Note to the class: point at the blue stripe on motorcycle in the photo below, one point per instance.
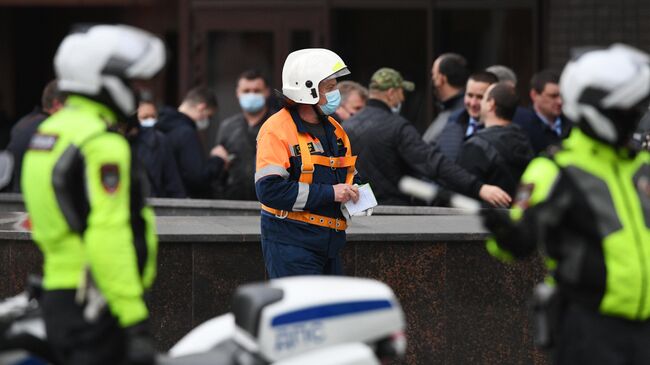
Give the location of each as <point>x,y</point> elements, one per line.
<point>31,361</point>
<point>328,311</point>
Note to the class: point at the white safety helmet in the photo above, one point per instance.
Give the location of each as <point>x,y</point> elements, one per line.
<point>304,69</point>
<point>99,60</point>
<point>606,92</point>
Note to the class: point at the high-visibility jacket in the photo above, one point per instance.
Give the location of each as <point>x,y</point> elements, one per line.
<point>296,190</point>
<point>87,209</point>
<point>588,207</point>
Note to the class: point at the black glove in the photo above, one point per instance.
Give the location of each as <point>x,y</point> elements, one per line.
<point>511,236</point>
<point>497,221</point>
<point>139,345</point>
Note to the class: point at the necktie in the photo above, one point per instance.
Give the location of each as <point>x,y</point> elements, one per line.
<point>557,127</point>
<point>472,127</point>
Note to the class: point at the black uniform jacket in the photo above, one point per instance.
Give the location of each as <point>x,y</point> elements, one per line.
<point>389,147</point>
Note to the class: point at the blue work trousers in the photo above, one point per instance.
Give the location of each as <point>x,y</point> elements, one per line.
<point>288,260</point>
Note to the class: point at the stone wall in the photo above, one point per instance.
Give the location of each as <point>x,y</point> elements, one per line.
<point>462,306</point>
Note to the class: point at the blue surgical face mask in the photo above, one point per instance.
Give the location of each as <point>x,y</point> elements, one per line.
<point>252,102</point>
<point>333,101</point>
<point>148,122</point>
<point>397,108</point>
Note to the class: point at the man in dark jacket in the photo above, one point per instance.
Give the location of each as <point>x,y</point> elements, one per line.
<point>499,153</point>
<point>507,75</point>
<point>545,125</point>
<point>21,134</point>
<point>389,147</point>
<point>155,154</point>
<point>180,126</point>
<point>238,134</point>
<point>448,74</point>
<point>464,123</point>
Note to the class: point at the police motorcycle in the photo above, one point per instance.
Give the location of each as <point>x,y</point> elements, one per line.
<point>289,321</point>
<point>22,330</point>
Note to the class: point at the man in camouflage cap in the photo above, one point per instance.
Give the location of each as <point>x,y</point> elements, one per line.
<point>386,77</point>
<point>389,82</point>
<point>388,147</point>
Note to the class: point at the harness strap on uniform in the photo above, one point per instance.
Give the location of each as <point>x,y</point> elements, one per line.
<point>337,224</point>
<point>307,168</point>
<point>346,142</point>
<point>334,162</point>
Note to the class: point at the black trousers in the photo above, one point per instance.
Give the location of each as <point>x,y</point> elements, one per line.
<point>589,338</point>
<point>73,339</point>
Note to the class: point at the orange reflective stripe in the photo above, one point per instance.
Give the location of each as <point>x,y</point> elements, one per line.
<point>337,224</point>
<point>272,145</point>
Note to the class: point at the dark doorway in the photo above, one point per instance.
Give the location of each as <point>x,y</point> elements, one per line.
<point>368,39</point>
<point>30,36</point>
<point>35,46</point>
<point>33,35</point>
<point>489,36</point>
<point>237,38</point>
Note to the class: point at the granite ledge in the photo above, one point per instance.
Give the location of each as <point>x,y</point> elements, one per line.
<point>247,229</point>
<point>13,202</point>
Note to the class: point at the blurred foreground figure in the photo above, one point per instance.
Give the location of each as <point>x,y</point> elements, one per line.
<point>587,206</point>
<point>85,197</point>
<point>314,320</point>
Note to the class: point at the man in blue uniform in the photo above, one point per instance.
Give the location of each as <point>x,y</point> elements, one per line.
<point>304,170</point>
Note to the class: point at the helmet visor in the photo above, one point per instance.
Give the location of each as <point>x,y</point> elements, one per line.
<point>342,72</point>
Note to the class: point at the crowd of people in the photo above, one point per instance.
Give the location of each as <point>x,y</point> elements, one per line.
<point>460,150</point>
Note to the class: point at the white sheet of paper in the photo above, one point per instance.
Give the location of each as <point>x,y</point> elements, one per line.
<point>366,200</point>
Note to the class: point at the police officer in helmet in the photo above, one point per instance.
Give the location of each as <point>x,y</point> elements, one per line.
<point>587,206</point>
<point>85,198</point>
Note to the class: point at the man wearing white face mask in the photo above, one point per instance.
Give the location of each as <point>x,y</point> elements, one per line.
<point>180,127</point>
<point>390,147</point>
<point>237,135</point>
<point>155,154</point>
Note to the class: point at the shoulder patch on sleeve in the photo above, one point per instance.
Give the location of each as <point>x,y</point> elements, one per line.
<point>110,177</point>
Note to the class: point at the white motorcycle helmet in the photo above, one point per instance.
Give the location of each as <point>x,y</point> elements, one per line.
<point>98,61</point>
<point>304,69</point>
<point>606,92</point>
